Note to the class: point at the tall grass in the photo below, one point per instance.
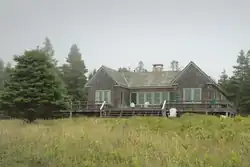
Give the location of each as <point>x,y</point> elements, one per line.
<point>145,142</point>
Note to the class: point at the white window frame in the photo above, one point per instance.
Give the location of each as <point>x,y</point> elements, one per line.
<point>192,95</point>
<point>137,98</point>
<point>152,96</point>
<point>103,93</point>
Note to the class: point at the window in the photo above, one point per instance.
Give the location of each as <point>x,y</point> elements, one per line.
<point>149,97</point>
<point>102,95</point>
<point>172,96</point>
<point>97,97</point>
<point>165,96</point>
<point>157,97</point>
<point>197,94</point>
<point>106,96</point>
<point>141,98</point>
<point>134,97</point>
<point>192,94</point>
<point>187,94</point>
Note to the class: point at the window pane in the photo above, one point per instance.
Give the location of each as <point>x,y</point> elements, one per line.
<point>141,98</point>
<point>97,96</point>
<point>157,97</point>
<point>165,96</point>
<point>105,93</point>
<point>101,96</point>
<point>149,97</point>
<point>106,96</point>
<point>133,97</point>
<point>187,94</point>
<point>172,96</point>
<point>197,94</point>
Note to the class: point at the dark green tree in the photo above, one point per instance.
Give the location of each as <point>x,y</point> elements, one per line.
<point>33,87</point>
<point>2,75</point>
<point>74,74</point>
<point>237,85</point>
<point>48,49</point>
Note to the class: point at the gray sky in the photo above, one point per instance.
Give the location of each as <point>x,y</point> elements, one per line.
<point>122,32</point>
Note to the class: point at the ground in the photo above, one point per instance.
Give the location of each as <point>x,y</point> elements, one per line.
<point>136,142</point>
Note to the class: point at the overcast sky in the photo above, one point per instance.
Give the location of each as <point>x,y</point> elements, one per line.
<point>122,32</point>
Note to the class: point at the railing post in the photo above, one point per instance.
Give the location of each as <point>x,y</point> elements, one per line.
<point>163,111</point>
<point>101,108</point>
<point>70,111</point>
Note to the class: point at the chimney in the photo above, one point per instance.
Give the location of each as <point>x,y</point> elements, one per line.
<point>157,67</point>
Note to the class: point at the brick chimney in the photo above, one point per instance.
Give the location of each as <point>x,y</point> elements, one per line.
<point>157,67</point>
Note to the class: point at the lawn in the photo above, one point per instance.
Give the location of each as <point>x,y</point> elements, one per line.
<point>136,142</point>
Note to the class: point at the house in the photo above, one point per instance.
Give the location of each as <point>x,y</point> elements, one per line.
<point>119,89</point>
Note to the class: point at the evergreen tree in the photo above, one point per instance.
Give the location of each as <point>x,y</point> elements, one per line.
<point>48,49</point>
<point>33,87</point>
<point>238,83</point>
<point>175,65</point>
<point>140,67</point>
<point>123,69</point>
<point>74,74</point>
<point>2,75</point>
<point>223,81</point>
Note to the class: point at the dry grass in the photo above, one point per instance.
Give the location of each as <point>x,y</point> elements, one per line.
<point>145,142</point>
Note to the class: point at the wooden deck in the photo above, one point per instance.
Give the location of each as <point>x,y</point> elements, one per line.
<point>129,112</point>
<point>94,110</point>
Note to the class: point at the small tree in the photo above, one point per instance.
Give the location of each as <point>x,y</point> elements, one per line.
<point>33,87</point>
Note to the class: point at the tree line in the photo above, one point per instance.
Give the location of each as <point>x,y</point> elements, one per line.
<point>36,86</point>
<point>237,86</point>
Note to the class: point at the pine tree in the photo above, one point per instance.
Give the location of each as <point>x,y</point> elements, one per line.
<point>238,82</point>
<point>33,87</point>
<point>223,81</point>
<point>140,67</point>
<point>74,74</point>
<point>2,75</point>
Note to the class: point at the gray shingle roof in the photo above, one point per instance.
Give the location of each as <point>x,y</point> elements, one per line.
<point>141,79</point>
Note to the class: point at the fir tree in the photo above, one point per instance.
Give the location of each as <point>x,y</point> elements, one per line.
<point>33,86</point>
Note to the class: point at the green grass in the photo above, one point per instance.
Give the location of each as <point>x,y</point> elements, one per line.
<point>143,142</point>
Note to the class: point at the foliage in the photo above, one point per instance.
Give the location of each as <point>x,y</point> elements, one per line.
<point>33,85</point>
<point>140,67</point>
<point>238,85</point>
<point>74,74</point>
<point>123,69</point>
<point>175,65</point>
<point>189,141</point>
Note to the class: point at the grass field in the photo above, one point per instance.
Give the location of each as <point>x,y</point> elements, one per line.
<point>143,142</point>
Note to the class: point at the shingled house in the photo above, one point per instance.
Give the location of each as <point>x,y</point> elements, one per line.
<point>119,89</point>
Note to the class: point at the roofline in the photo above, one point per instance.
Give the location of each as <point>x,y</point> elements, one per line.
<point>145,87</point>
<point>86,85</point>
<point>102,67</point>
<point>187,66</point>
<point>197,67</point>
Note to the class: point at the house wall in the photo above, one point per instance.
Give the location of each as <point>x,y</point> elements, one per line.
<point>193,78</point>
<point>102,81</point>
<point>117,96</point>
